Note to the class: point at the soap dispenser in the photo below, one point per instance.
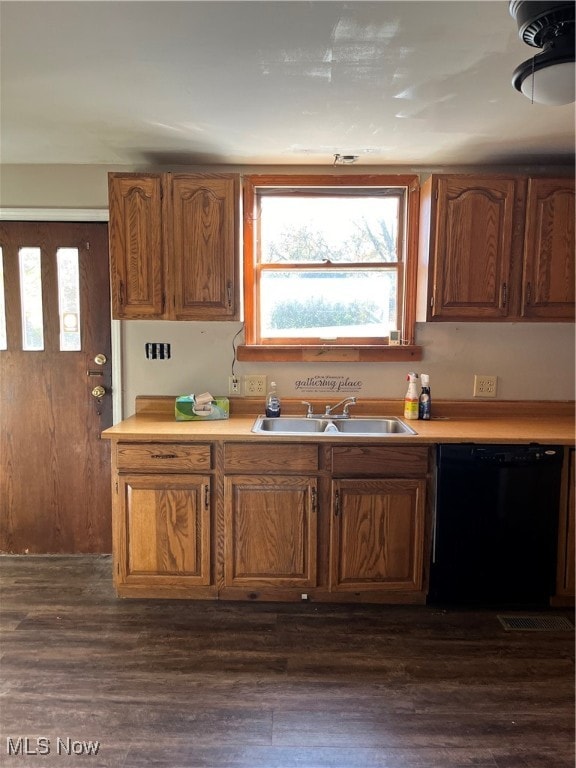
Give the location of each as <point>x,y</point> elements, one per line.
<point>425,405</point>
<point>272,401</point>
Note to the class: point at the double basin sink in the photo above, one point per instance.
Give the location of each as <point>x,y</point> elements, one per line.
<point>301,425</point>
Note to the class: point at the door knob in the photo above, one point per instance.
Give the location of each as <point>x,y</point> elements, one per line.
<point>98,391</point>
<point>100,359</point>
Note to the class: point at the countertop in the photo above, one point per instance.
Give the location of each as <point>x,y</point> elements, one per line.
<point>548,425</point>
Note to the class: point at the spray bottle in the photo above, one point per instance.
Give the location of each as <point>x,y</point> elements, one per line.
<point>425,404</point>
<point>412,397</point>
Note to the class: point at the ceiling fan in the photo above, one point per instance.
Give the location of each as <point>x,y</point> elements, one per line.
<point>549,76</point>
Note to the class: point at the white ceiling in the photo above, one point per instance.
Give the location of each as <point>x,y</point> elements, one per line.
<point>397,83</point>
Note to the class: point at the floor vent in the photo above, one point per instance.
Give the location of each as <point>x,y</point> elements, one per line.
<point>536,623</point>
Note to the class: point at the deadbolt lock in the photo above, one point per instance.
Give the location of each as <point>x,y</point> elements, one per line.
<point>100,359</point>
<point>98,391</point>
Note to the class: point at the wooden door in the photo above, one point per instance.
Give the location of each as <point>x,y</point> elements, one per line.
<point>377,535</point>
<point>204,227</point>
<point>549,273</point>
<point>270,531</point>
<point>136,245</point>
<point>472,249</point>
<point>165,530</point>
<point>55,474</point>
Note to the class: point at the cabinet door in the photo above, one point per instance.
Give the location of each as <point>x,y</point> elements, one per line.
<point>377,535</point>
<point>204,241</point>
<point>472,248</point>
<point>270,531</point>
<point>567,532</point>
<point>166,530</point>
<point>548,286</point>
<point>135,233</point>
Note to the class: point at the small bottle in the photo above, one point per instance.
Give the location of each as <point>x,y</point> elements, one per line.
<point>425,402</point>
<point>412,397</point>
<point>272,401</point>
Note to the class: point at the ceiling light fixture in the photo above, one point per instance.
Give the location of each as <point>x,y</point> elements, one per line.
<point>548,77</point>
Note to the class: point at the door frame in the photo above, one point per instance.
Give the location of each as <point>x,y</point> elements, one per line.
<point>83,215</point>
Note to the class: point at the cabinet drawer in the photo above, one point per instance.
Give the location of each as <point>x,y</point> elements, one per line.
<point>163,457</point>
<point>261,457</point>
<point>400,461</point>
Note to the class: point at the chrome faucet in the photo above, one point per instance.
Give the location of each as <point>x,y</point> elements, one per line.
<point>347,402</point>
<point>310,411</point>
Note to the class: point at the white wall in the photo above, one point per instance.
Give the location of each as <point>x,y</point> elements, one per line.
<point>533,361</point>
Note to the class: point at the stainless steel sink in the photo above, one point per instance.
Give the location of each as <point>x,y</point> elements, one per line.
<point>364,426</point>
<point>295,425</point>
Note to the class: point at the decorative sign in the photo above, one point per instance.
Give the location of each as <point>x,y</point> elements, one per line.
<point>330,384</point>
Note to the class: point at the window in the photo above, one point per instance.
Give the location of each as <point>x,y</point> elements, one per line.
<point>327,262</point>
<point>31,299</point>
<point>3,337</point>
<point>69,298</point>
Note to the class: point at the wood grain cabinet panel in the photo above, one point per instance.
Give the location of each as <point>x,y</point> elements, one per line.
<point>204,238</point>
<point>270,457</point>
<point>136,246</point>
<point>270,531</point>
<point>473,247</point>
<point>377,535</point>
<point>380,460</point>
<point>565,582</point>
<point>174,246</point>
<point>496,248</point>
<point>163,457</point>
<point>549,275</point>
<point>167,529</point>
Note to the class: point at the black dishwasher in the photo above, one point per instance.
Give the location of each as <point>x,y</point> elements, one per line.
<point>495,529</point>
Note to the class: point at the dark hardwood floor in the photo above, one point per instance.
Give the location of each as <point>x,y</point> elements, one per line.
<point>177,684</point>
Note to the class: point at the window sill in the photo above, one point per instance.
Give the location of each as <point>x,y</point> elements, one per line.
<point>329,354</point>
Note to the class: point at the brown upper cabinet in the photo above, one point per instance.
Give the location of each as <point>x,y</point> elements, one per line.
<point>174,242</point>
<point>548,274</point>
<point>496,248</point>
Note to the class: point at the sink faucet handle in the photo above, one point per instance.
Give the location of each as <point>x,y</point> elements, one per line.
<point>310,411</point>
<point>347,402</point>
<point>351,401</point>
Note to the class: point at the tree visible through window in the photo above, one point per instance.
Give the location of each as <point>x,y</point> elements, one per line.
<point>324,262</point>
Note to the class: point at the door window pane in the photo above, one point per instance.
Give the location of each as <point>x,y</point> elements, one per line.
<point>3,340</point>
<point>31,299</point>
<point>69,299</point>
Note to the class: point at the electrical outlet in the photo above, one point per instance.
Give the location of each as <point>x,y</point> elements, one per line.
<point>484,386</point>
<point>234,385</point>
<point>254,385</point>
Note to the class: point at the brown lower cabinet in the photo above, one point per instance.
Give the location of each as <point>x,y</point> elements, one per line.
<point>166,525</point>
<point>163,520</point>
<point>566,572</point>
<point>377,535</point>
<point>270,531</point>
<point>270,521</point>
